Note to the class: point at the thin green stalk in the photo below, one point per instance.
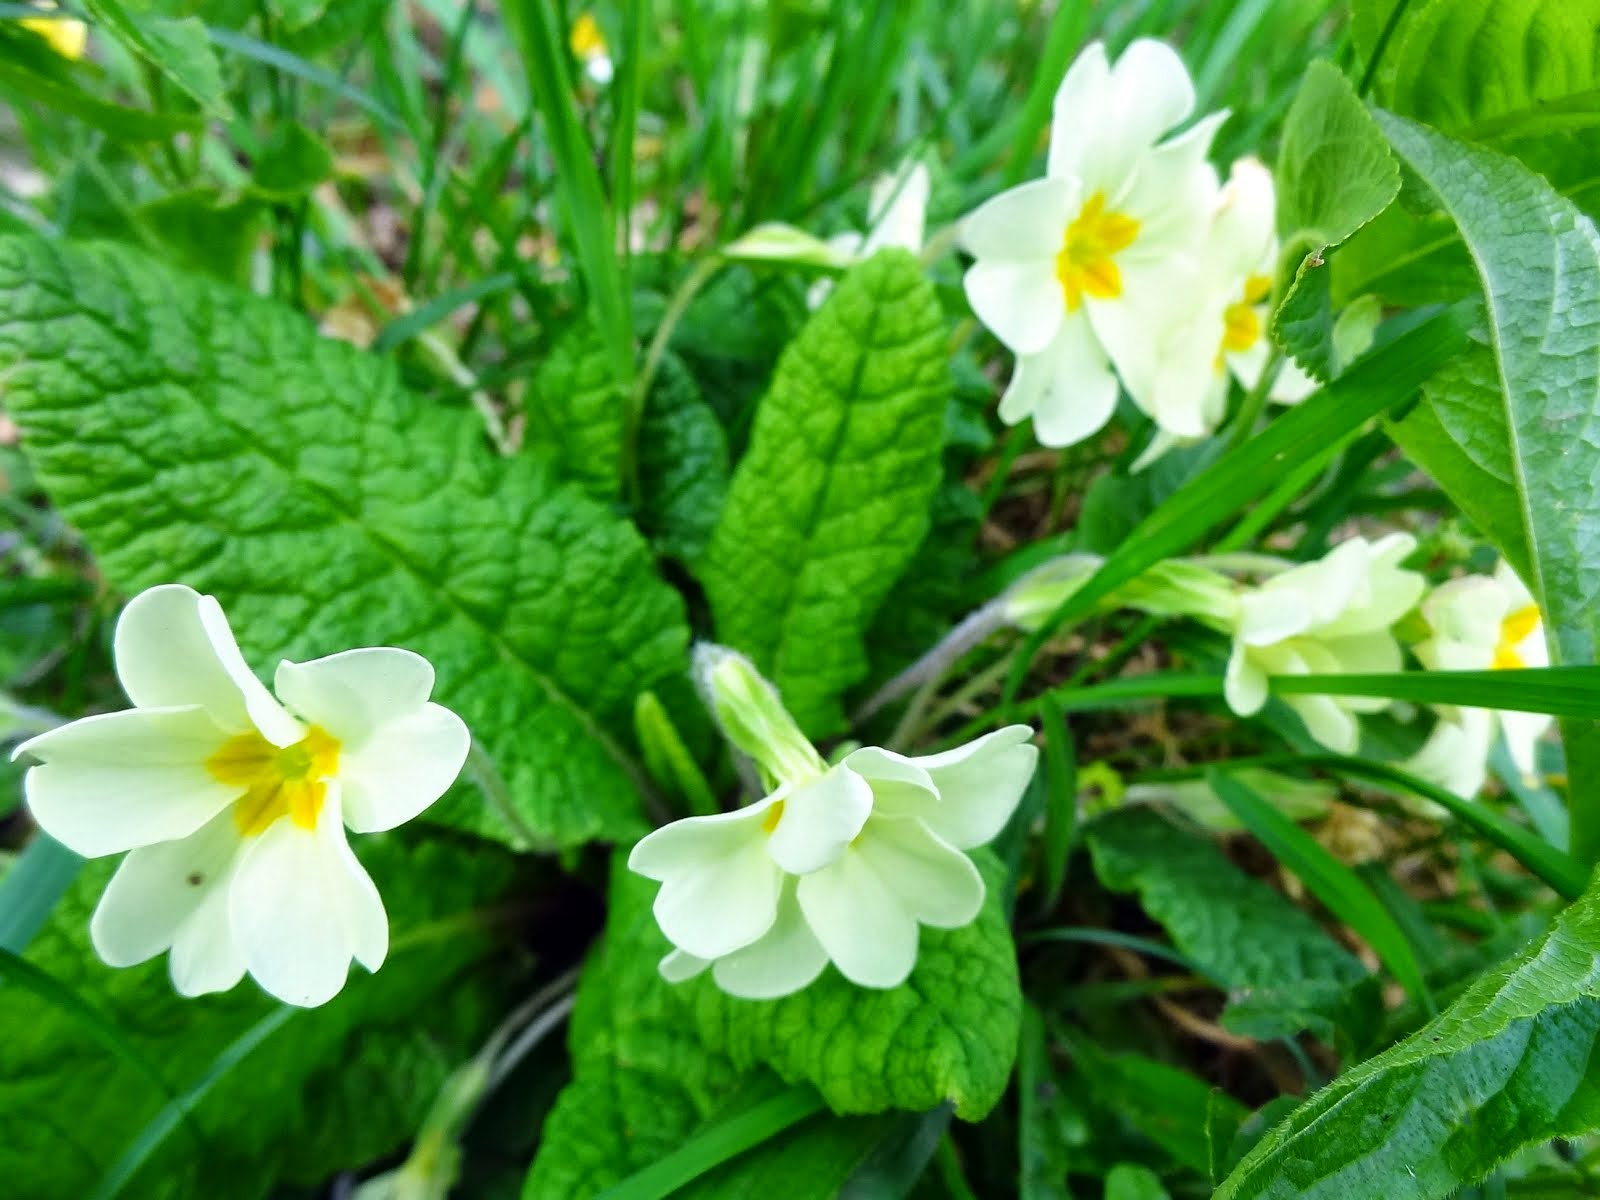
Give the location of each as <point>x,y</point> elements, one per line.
<point>1255,400</point>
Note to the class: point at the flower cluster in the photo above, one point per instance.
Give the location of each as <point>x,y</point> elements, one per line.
<point>1337,615</point>
<point>838,864</point>
<point>1129,260</point>
<point>233,803</point>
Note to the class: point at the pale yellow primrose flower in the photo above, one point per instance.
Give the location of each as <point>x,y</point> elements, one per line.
<point>1481,623</point>
<point>67,36</point>
<point>839,864</point>
<point>1335,615</point>
<point>233,805</point>
<point>1080,272</point>
<point>1225,330</point>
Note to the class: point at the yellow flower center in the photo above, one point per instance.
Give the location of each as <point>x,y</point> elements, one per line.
<point>1086,262</point>
<point>286,781</point>
<point>587,40</point>
<point>1241,323</point>
<point>1514,630</point>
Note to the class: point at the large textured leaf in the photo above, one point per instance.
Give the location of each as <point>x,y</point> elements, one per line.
<point>831,499</point>
<point>1539,262</point>
<point>575,411</point>
<point>332,1089</point>
<point>195,433</point>
<point>1508,1064</point>
<point>1281,971</point>
<point>683,465</point>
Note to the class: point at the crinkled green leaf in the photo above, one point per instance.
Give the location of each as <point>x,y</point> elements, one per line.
<point>831,499</point>
<point>1281,971</point>
<point>196,433</point>
<point>1128,1181</point>
<point>1506,1065</point>
<point>332,1089</point>
<point>1538,259</point>
<point>575,411</point>
<point>1334,171</point>
<point>683,465</point>
<point>1303,323</point>
<point>176,47</point>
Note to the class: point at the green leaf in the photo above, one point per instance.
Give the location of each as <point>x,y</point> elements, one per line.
<point>130,124</point>
<point>831,499</point>
<point>1126,1181</point>
<point>575,411</point>
<point>1383,377</point>
<point>178,48</point>
<point>193,432</point>
<point>207,232</point>
<point>1539,262</point>
<point>31,887</point>
<point>1303,322</point>
<point>1559,691</point>
<point>1044,1148</point>
<point>1329,880</point>
<point>1334,171</point>
<point>1448,436</point>
<point>292,162</point>
<point>1281,972</point>
<point>683,465</point>
<point>330,1089</point>
<point>1507,1065</point>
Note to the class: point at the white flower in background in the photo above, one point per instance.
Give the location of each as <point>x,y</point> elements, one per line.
<point>233,805</point>
<point>897,217</point>
<point>1481,623</point>
<point>1335,615</point>
<point>1224,331</point>
<point>1079,272</point>
<point>839,864</point>
<point>590,49</point>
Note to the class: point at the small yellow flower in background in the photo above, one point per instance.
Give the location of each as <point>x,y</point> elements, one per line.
<point>1481,623</point>
<point>233,804</point>
<point>67,37</point>
<point>589,48</point>
<point>1081,272</point>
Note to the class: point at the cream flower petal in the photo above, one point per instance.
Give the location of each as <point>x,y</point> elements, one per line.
<point>1025,224</point>
<point>1080,105</point>
<point>820,817</point>
<point>679,965</point>
<point>354,693</point>
<point>157,889</point>
<point>980,785</point>
<point>719,888</point>
<point>935,882</point>
<point>898,211</point>
<point>401,768</point>
<point>205,956</point>
<point>302,907</point>
<point>1245,683</point>
<point>860,921</point>
<point>1328,723</point>
<point>899,786</point>
<point>1523,731</point>
<point>1021,303</point>
<point>783,960</point>
<point>173,647</point>
<point>113,782</point>
<point>1068,389</point>
<point>1173,193</point>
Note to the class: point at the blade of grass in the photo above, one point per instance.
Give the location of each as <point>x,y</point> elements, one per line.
<point>403,329</point>
<point>715,1146</point>
<point>1384,377</point>
<point>293,65</point>
<point>31,887</point>
<point>1558,691</point>
<point>1328,879</point>
<point>121,1172</point>
<point>1067,28</point>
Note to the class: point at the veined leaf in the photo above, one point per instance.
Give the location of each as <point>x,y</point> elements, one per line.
<point>1333,883</point>
<point>178,48</point>
<point>831,499</point>
<point>1508,1064</point>
<point>575,411</point>
<point>195,433</point>
<point>1539,262</point>
<point>1281,972</point>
